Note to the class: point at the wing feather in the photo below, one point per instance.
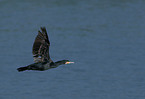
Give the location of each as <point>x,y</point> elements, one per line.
<point>41,45</point>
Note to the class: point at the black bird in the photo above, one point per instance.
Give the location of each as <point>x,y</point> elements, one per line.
<point>41,56</point>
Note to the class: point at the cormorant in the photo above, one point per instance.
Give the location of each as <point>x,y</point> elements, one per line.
<point>41,56</point>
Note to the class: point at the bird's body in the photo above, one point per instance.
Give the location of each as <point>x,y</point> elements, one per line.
<point>41,54</point>
<point>41,66</point>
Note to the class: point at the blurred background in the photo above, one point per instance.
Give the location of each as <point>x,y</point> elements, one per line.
<point>105,39</point>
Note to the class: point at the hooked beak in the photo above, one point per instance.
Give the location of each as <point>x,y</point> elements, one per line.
<point>69,62</point>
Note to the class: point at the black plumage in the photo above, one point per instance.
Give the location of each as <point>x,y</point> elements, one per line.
<point>41,55</point>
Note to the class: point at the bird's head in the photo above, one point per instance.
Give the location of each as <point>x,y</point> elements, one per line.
<point>63,62</point>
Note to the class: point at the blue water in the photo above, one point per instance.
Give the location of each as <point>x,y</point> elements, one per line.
<point>105,39</point>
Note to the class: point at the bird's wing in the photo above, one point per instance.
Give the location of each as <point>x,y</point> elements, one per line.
<point>41,45</point>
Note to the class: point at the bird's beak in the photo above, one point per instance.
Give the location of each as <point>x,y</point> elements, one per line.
<point>69,62</point>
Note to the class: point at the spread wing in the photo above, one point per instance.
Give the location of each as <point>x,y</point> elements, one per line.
<point>41,46</point>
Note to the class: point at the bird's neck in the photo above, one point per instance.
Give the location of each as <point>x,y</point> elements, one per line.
<point>59,63</point>
<point>55,64</point>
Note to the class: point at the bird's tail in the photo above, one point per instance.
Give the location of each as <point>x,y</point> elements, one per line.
<point>22,68</point>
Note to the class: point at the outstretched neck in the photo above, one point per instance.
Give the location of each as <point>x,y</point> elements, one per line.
<point>56,64</point>
<point>59,63</point>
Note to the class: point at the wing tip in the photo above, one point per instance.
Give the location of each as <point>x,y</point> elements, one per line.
<point>43,29</point>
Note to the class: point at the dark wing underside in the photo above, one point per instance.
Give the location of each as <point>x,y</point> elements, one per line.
<point>41,46</point>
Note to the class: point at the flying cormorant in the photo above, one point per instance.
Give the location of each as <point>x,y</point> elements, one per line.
<point>41,55</point>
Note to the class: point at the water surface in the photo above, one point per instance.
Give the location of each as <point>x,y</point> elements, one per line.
<point>105,39</point>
